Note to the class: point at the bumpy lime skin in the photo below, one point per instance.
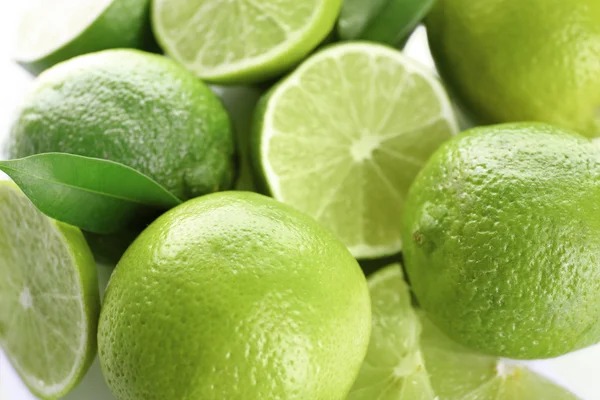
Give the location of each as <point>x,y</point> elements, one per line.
<point>516,60</point>
<point>234,296</point>
<point>136,108</point>
<point>502,240</point>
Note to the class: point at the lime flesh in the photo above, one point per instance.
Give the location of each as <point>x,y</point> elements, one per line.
<point>37,38</point>
<point>49,301</point>
<point>343,137</point>
<point>456,373</point>
<point>241,41</point>
<point>410,359</point>
<point>393,368</point>
<point>55,31</point>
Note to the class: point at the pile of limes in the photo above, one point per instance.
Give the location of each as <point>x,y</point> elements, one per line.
<point>353,153</point>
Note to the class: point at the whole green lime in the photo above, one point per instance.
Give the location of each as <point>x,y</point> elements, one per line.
<point>521,60</point>
<point>501,240</point>
<point>139,109</point>
<point>234,296</point>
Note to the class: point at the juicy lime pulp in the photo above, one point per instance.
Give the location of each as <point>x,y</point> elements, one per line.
<point>342,138</point>
<point>457,373</point>
<point>241,40</point>
<point>49,301</point>
<point>394,367</point>
<point>410,359</point>
<point>55,31</point>
<point>47,26</point>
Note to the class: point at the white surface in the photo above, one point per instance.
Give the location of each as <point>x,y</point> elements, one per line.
<point>578,371</point>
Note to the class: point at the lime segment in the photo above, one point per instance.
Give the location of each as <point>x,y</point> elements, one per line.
<point>241,40</point>
<point>393,368</point>
<point>49,301</point>
<point>410,359</point>
<point>456,373</point>
<point>343,137</point>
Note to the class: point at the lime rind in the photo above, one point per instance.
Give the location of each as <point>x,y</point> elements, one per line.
<point>39,33</point>
<point>267,61</point>
<point>50,33</point>
<point>49,300</point>
<point>336,169</point>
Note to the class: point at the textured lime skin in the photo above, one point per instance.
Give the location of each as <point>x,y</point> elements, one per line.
<point>502,240</point>
<point>123,24</point>
<point>234,296</point>
<point>521,60</point>
<point>139,109</point>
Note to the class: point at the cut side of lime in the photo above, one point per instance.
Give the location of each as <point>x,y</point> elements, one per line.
<point>241,41</point>
<point>54,31</point>
<point>49,300</point>
<point>410,359</point>
<point>343,137</point>
<point>393,368</point>
<point>456,373</point>
<point>385,21</point>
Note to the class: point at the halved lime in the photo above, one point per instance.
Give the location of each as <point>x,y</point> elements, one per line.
<point>54,31</point>
<point>410,359</point>
<point>457,373</point>
<point>241,41</point>
<point>49,301</point>
<point>386,21</point>
<point>343,137</point>
<point>393,368</point>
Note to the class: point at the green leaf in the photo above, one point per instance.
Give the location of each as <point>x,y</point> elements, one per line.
<point>384,21</point>
<point>95,195</point>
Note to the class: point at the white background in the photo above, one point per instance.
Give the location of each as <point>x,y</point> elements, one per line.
<point>578,371</point>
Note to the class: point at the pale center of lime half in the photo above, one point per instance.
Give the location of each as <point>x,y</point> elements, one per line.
<point>25,298</point>
<point>362,149</point>
<point>505,369</point>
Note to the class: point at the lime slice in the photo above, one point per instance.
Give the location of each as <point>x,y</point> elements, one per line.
<point>456,373</point>
<point>410,359</point>
<point>49,301</point>
<point>54,31</point>
<point>343,137</point>
<point>241,41</point>
<point>393,368</point>
<point>386,21</point>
